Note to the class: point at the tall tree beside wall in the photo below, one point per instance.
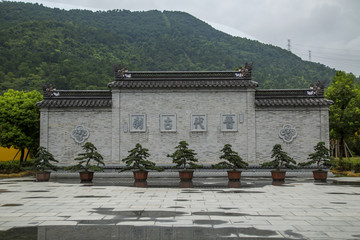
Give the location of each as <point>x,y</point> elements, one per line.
<point>344,114</point>
<point>20,120</point>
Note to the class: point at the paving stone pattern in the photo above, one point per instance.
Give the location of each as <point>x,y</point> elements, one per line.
<point>296,210</point>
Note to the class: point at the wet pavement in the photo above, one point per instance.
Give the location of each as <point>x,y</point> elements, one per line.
<point>164,208</point>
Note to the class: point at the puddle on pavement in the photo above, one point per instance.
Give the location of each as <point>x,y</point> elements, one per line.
<point>209,222</point>
<point>341,193</point>
<point>91,196</point>
<point>38,191</point>
<point>4,191</point>
<point>126,232</point>
<point>11,205</point>
<point>37,197</point>
<point>149,215</point>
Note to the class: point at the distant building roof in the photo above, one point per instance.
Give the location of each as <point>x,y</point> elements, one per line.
<point>223,79</point>
<point>74,98</point>
<point>290,97</point>
<point>219,79</point>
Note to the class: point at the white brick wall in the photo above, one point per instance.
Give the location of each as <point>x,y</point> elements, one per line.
<point>306,121</point>
<point>109,128</point>
<point>183,103</point>
<point>62,121</point>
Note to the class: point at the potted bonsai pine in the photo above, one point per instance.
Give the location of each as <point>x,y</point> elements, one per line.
<point>232,161</point>
<point>184,157</point>
<point>321,157</point>
<point>137,160</point>
<point>42,163</point>
<point>281,159</point>
<point>85,166</point>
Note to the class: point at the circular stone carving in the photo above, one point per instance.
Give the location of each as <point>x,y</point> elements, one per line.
<point>287,133</point>
<point>80,134</point>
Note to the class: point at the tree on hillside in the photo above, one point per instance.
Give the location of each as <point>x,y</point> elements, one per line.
<point>344,114</point>
<point>20,120</point>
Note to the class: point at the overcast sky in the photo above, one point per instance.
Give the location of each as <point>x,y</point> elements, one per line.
<point>330,29</point>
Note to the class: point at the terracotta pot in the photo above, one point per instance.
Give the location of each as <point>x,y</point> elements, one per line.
<point>234,175</point>
<point>140,175</point>
<point>86,177</point>
<point>186,175</point>
<point>278,175</point>
<point>42,176</point>
<point>320,175</point>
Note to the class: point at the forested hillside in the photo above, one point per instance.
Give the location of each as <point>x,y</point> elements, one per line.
<point>76,49</point>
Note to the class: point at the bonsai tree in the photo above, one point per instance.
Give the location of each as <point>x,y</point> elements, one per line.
<point>183,156</point>
<point>232,159</point>
<point>137,160</point>
<point>321,156</point>
<point>281,159</point>
<point>86,158</point>
<point>43,159</point>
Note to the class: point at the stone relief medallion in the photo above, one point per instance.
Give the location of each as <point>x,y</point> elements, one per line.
<point>168,122</point>
<point>287,133</point>
<point>80,134</point>
<point>138,123</point>
<point>198,123</point>
<point>229,123</point>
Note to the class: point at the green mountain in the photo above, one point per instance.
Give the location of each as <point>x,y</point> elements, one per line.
<point>77,49</point>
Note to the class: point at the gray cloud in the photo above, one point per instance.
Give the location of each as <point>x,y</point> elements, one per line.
<point>330,29</point>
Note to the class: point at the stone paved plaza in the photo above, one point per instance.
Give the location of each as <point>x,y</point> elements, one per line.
<point>256,209</point>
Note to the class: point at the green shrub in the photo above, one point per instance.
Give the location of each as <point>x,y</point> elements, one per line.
<point>8,167</point>
<point>344,165</point>
<point>357,167</point>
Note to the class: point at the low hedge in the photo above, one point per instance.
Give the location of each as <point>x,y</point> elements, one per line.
<point>7,167</point>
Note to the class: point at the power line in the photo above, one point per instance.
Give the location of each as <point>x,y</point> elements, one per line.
<point>317,47</point>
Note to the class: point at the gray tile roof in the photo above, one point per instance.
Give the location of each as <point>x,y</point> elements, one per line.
<point>182,80</point>
<point>286,97</point>
<point>64,99</point>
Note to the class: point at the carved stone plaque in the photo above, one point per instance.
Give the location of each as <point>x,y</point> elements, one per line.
<point>288,133</point>
<point>198,123</point>
<point>229,123</point>
<point>168,122</point>
<point>80,134</point>
<point>138,123</point>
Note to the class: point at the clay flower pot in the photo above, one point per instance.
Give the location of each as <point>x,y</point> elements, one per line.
<point>42,176</point>
<point>278,176</point>
<point>186,176</point>
<point>320,175</point>
<point>234,175</point>
<point>140,175</point>
<point>86,177</point>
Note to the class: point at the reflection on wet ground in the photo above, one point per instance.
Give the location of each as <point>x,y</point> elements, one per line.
<point>158,182</point>
<point>142,233</point>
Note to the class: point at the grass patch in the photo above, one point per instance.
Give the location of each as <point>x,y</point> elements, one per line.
<point>346,167</point>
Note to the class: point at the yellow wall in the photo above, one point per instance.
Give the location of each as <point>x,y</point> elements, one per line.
<point>7,154</point>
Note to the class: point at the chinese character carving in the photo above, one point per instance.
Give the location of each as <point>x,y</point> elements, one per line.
<point>138,123</point>
<point>198,123</point>
<point>287,133</point>
<point>229,123</point>
<point>80,134</point>
<point>168,122</point>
